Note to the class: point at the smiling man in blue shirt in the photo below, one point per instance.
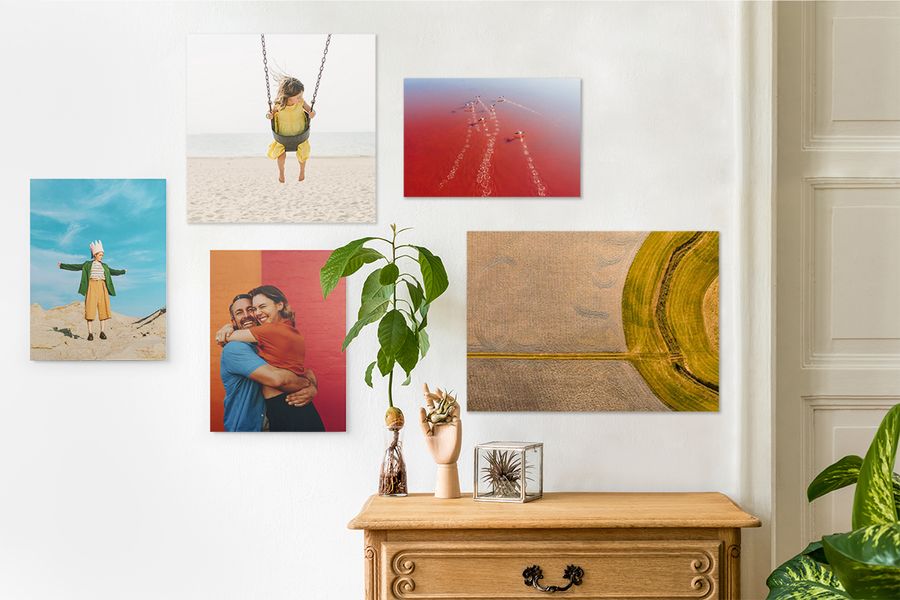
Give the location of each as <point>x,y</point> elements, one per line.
<point>243,371</point>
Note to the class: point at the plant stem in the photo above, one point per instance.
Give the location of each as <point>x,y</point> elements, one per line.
<point>394,306</point>
<point>391,388</point>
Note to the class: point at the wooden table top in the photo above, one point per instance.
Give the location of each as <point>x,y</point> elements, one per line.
<point>565,510</point>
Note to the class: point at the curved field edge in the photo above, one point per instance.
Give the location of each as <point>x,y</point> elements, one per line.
<point>662,310</point>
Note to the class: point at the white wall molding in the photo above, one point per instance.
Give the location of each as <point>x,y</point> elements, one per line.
<point>813,303</point>
<point>755,100</point>
<point>817,85</point>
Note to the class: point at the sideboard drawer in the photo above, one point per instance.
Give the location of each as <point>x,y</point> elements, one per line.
<point>493,570</point>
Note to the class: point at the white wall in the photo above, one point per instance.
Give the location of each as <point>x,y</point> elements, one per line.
<point>111,485</point>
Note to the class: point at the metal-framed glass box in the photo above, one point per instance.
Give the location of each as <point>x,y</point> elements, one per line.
<point>509,471</point>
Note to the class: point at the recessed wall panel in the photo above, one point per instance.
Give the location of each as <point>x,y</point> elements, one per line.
<point>865,272</point>
<point>852,273</point>
<point>866,69</point>
<point>850,57</point>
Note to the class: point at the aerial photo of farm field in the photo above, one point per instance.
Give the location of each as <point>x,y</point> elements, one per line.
<point>593,321</point>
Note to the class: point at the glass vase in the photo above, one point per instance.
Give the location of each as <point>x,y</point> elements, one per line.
<point>392,479</point>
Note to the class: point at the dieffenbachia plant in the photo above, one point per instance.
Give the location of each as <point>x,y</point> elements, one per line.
<point>864,563</point>
<point>394,298</point>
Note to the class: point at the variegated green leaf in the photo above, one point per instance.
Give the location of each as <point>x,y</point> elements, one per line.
<point>816,552</point>
<point>806,590</point>
<point>841,474</point>
<point>867,560</point>
<point>873,503</point>
<point>803,568</point>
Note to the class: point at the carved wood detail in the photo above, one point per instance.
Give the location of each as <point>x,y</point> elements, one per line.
<point>450,561</point>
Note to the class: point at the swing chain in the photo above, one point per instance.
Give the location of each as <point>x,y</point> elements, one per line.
<point>321,68</point>
<point>266,69</point>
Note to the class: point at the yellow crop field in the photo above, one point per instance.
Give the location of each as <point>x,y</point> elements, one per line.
<point>669,340</point>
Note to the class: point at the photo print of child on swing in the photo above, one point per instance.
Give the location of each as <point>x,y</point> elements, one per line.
<point>281,128</point>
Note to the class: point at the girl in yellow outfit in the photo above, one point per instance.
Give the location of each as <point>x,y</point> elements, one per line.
<point>290,112</point>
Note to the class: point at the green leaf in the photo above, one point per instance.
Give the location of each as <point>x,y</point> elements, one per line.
<point>385,362</point>
<point>373,315</point>
<point>841,474</point>
<point>375,300</point>
<point>334,267</point>
<point>369,373</point>
<point>407,380</point>
<point>424,343</point>
<point>389,274</point>
<point>867,560</point>
<point>423,310</point>
<point>371,286</point>
<point>408,355</point>
<point>807,590</point>
<point>816,552</point>
<point>873,503</point>
<point>804,577</point>
<point>362,257</point>
<point>434,276</point>
<point>392,332</point>
<point>416,295</point>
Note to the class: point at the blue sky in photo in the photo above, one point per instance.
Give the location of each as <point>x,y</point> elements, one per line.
<point>127,215</point>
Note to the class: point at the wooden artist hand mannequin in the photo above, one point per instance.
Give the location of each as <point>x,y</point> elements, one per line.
<point>443,436</point>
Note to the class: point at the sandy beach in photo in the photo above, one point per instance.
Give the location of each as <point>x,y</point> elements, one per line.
<point>60,333</point>
<point>246,190</point>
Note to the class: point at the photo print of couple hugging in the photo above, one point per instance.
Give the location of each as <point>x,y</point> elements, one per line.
<point>267,385</point>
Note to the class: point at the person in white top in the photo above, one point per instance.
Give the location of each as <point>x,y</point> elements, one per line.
<point>96,287</point>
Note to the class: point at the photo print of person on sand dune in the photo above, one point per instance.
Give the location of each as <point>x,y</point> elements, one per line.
<point>256,103</point>
<point>85,305</point>
<point>276,363</point>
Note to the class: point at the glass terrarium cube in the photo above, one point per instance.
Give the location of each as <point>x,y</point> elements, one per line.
<point>509,471</point>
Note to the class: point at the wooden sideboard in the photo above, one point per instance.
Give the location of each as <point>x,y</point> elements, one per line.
<point>627,545</point>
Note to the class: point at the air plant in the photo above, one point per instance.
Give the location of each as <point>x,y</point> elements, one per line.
<point>503,473</point>
<point>442,412</point>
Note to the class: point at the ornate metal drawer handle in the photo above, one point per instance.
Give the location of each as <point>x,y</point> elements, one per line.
<point>533,575</point>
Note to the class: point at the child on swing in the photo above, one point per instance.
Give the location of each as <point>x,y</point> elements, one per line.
<point>290,112</point>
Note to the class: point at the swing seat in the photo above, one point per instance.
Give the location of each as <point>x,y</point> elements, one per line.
<point>290,142</point>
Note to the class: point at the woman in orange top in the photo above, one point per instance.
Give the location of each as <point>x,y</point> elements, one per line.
<point>281,345</point>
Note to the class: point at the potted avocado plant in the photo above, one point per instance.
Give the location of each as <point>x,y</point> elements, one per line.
<point>864,563</point>
<point>398,301</point>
